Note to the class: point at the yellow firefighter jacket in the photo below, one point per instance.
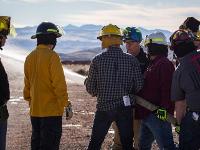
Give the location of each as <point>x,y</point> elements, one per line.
<point>45,87</point>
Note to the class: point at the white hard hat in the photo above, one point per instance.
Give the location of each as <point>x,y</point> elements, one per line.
<point>157,38</point>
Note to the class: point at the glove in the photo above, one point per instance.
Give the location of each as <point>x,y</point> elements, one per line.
<point>177,128</point>
<point>69,112</point>
<point>161,114</point>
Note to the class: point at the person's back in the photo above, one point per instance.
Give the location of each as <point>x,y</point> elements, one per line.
<point>43,68</point>
<point>116,75</point>
<point>45,89</point>
<point>185,90</point>
<point>188,72</point>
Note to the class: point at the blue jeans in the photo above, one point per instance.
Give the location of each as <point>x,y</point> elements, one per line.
<point>102,122</point>
<point>46,133</point>
<point>189,138</point>
<point>152,129</point>
<point>3,130</point>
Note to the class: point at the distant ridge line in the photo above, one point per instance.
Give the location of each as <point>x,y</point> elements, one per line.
<point>71,62</point>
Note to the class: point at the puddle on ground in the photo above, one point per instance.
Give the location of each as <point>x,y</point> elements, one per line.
<point>13,103</point>
<point>72,125</point>
<point>84,113</point>
<point>15,100</point>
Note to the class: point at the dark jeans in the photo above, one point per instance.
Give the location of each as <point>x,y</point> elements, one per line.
<point>189,138</point>
<point>46,133</point>
<point>102,122</point>
<point>153,128</point>
<point>3,130</point>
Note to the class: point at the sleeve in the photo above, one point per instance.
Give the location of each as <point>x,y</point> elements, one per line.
<point>91,81</point>
<point>166,72</point>
<point>137,77</point>
<point>26,91</point>
<point>58,81</point>
<point>177,93</point>
<point>4,85</point>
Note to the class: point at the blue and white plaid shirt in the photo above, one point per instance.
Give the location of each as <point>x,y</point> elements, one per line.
<point>112,75</point>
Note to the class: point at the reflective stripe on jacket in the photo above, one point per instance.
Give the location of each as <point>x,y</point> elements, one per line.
<point>45,86</point>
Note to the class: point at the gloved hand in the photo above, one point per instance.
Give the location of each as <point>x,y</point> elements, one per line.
<point>161,114</point>
<point>69,112</point>
<point>177,128</point>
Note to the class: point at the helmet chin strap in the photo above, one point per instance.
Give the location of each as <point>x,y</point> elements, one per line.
<point>1,37</point>
<point>53,46</point>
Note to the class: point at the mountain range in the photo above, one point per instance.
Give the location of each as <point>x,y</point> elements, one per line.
<point>78,42</point>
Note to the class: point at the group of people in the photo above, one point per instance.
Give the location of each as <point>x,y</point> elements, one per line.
<point>115,78</point>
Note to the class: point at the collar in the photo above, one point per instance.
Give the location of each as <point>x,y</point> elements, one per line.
<point>113,48</point>
<point>158,57</point>
<point>188,55</point>
<point>42,46</point>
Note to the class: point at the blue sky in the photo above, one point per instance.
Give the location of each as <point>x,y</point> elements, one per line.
<point>149,14</point>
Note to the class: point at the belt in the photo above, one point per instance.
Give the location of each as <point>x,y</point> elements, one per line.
<point>191,110</point>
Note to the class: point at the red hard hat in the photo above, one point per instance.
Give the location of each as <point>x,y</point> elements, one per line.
<point>181,36</point>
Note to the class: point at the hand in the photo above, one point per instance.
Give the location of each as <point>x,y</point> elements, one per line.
<point>177,128</point>
<point>161,114</point>
<point>69,112</point>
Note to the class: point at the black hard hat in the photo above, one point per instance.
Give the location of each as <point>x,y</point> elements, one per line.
<point>191,23</point>
<point>181,36</point>
<point>46,28</point>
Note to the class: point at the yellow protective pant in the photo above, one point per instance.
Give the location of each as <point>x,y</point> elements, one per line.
<point>116,140</point>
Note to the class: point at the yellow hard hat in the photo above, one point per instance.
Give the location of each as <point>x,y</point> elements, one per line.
<point>5,26</point>
<point>110,30</point>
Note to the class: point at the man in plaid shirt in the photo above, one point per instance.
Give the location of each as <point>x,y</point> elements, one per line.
<point>114,78</point>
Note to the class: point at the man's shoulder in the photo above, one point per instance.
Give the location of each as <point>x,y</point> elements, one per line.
<point>98,56</point>
<point>128,58</point>
<point>106,55</point>
<point>31,54</point>
<point>164,61</point>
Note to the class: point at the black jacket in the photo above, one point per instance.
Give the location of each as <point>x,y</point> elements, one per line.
<point>144,61</point>
<point>4,86</point>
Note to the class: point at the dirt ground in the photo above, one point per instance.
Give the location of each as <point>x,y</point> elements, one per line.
<point>76,132</point>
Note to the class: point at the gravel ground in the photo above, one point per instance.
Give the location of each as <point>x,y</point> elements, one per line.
<point>76,132</point>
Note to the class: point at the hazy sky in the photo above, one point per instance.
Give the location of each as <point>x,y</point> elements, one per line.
<point>151,14</point>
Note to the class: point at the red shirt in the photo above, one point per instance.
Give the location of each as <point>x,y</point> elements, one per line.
<point>157,86</point>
